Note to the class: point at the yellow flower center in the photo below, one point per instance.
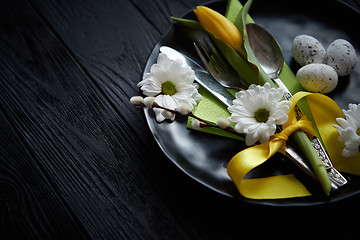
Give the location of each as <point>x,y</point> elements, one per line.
<point>358,132</point>
<point>168,88</point>
<point>262,115</point>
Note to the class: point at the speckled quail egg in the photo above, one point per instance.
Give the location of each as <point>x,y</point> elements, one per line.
<point>307,49</point>
<point>341,56</point>
<point>317,77</point>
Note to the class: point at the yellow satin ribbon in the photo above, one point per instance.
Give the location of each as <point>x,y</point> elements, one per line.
<point>324,111</point>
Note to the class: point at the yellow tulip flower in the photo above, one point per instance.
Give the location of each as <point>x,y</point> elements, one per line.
<point>220,26</point>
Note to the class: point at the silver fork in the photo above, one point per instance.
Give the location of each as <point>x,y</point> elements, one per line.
<point>224,74</point>
<point>228,78</point>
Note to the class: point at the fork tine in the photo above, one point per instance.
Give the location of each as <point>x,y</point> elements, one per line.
<point>218,59</point>
<point>209,51</point>
<point>216,66</point>
<point>212,54</point>
<point>205,60</point>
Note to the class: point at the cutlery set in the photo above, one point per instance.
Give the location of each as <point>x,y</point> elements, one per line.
<point>218,77</point>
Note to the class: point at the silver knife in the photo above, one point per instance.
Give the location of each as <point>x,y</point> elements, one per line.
<point>221,93</point>
<point>335,176</point>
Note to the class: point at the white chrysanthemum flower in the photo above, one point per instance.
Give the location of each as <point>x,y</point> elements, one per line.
<point>171,83</point>
<point>349,130</point>
<point>257,111</point>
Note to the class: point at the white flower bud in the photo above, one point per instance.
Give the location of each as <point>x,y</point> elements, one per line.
<point>184,108</point>
<point>167,114</point>
<point>149,101</point>
<point>223,123</point>
<point>137,100</point>
<point>195,124</point>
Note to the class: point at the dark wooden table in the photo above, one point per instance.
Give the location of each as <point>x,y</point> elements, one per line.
<point>77,161</point>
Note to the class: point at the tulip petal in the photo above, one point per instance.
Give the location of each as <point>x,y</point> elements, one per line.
<point>220,26</point>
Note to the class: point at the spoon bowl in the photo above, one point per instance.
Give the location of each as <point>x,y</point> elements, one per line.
<point>266,49</point>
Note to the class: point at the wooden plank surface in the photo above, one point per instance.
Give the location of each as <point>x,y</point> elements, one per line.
<point>77,161</point>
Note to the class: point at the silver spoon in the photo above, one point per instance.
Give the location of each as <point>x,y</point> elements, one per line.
<point>269,55</point>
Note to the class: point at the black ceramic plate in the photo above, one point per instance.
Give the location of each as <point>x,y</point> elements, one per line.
<point>203,156</point>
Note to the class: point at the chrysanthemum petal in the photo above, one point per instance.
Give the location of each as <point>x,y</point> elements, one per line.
<point>348,128</point>
<point>252,138</point>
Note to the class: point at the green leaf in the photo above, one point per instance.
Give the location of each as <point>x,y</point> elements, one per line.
<point>190,23</point>
<point>233,9</point>
<point>306,147</point>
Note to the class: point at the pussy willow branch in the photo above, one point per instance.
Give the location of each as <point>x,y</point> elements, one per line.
<point>203,122</point>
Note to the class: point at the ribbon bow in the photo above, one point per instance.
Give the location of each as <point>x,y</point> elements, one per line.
<point>284,186</point>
